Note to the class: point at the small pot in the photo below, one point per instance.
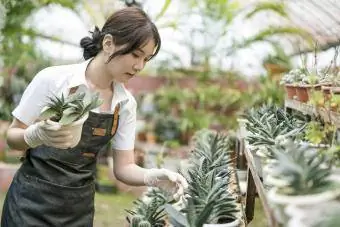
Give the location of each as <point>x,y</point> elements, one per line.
<point>303,200</point>
<point>290,91</point>
<point>281,202</point>
<point>75,128</point>
<point>302,93</point>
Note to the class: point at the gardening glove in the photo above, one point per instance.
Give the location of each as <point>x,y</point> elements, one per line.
<point>49,134</point>
<point>167,180</point>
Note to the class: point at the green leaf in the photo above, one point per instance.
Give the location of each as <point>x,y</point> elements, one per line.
<point>47,113</point>
<point>163,10</point>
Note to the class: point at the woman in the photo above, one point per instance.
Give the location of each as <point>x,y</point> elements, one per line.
<point>55,184</point>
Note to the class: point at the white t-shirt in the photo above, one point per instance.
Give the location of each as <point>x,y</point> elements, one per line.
<point>57,80</point>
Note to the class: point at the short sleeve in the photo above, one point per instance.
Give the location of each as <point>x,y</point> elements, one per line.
<point>33,99</point>
<point>124,139</point>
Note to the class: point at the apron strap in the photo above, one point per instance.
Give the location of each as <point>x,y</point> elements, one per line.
<point>115,120</point>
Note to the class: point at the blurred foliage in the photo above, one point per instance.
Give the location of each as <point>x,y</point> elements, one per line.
<point>264,90</point>
<point>214,20</point>
<point>18,53</point>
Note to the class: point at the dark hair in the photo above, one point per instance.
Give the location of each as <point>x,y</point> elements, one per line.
<point>130,26</point>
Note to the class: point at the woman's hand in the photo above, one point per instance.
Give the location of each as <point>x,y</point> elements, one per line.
<point>167,180</point>
<point>49,134</point>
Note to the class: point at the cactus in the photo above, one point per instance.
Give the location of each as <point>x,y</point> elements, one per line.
<point>135,220</point>
<point>144,224</point>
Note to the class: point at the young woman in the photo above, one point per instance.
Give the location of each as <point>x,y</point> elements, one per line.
<point>55,184</point>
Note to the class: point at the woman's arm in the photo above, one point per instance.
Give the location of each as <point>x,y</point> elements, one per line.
<point>15,135</point>
<point>126,170</point>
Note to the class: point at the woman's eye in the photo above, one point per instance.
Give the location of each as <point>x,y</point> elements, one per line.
<point>135,55</point>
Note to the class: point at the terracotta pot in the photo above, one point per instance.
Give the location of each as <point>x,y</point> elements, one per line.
<point>302,93</point>
<point>290,90</point>
<point>274,68</point>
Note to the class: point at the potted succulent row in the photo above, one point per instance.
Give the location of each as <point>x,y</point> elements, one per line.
<point>299,83</point>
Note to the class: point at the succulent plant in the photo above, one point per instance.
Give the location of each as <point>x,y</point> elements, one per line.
<point>144,224</point>
<point>269,126</point>
<point>66,110</point>
<point>135,220</point>
<point>209,200</point>
<point>299,170</point>
<point>150,209</point>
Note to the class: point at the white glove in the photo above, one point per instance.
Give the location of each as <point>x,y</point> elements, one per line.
<point>166,180</point>
<point>49,134</point>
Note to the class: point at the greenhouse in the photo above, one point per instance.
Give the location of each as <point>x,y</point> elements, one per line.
<point>195,113</point>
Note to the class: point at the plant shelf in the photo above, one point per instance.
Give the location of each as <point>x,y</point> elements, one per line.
<point>311,110</point>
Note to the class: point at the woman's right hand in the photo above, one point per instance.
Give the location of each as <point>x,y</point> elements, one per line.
<point>49,134</point>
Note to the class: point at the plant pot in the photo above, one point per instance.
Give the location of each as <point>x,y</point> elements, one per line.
<point>275,68</point>
<point>310,217</point>
<point>290,91</point>
<point>75,128</point>
<point>242,127</point>
<point>235,223</point>
<point>280,202</point>
<point>302,93</point>
<point>303,200</point>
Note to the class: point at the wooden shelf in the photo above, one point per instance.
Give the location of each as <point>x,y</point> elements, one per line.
<point>308,109</point>
<point>254,184</point>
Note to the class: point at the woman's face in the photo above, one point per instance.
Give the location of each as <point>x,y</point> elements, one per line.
<point>124,67</point>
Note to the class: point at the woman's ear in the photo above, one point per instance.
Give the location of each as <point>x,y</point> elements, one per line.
<point>108,45</point>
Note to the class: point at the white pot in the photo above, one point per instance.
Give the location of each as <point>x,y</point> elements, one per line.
<point>75,128</point>
<point>282,204</point>
<point>303,200</point>
<point>243,133</point>
<point>242,175</point>
<point>235,223</point>
<point>267,170</point>
<point>310,216</point>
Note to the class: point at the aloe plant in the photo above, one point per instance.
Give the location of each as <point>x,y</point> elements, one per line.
<point>299,170</point>
<point>209,200</point>
<point>150,210</point>
<point>66,110</point>
<point>269,125</point>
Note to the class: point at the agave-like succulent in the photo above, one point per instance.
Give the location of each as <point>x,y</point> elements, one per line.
<point>66,110</point>
<point>209,200</point>
<point>149,210</point>
<point>269,126</point>
<point>299,170</point>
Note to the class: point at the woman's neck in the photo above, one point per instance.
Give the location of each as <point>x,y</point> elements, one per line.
<point>96,75</point>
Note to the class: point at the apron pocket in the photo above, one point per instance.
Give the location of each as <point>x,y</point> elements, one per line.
<point>53,203</point>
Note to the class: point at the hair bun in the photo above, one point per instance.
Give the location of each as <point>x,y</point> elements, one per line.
<point>92,45</point>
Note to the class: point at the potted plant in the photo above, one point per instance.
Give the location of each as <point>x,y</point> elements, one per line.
<point>301,178</point>
<point>148,211</point>
<point>210,201</point>
<point>71,111</point>
<point>277,63</point>
<point>289,80</point>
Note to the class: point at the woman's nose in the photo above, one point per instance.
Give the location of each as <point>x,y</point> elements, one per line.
<point>139,66</point>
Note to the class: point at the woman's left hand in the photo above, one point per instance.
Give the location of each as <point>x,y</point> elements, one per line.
<point>167,180</point>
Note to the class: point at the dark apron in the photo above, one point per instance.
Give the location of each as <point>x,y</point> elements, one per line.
<point>55,187</point>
